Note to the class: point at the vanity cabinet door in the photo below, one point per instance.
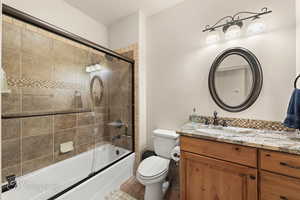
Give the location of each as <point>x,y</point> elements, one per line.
<point>204,178</point>
<point>278,187</point>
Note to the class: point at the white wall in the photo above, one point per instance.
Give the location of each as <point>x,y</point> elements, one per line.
<point>142,81</point>
<point>178,60</point>
<point>298,35</point>
<point>124,32</point>
<point>61,14</point>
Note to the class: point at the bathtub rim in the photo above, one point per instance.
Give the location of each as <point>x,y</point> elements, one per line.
<point>90,176</point>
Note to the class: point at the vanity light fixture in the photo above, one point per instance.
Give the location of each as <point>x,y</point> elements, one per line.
<point>256,26</point>
<point>232,25</point>
<point>233,31</point>
<point>213,37</point>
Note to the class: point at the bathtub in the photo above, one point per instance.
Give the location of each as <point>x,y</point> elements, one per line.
<point>50,181</point>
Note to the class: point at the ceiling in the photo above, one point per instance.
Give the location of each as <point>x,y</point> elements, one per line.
<point>109,11</point>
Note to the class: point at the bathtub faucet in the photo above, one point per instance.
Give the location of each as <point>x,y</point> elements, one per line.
<point>117,137</point>
<point>11,183</point>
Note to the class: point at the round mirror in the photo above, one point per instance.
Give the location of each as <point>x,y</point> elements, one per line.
<point>96,90</point>
<point>235,79</point>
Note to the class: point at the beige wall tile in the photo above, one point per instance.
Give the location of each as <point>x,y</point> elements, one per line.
<point>36,67</point>
<point>63,50</point>
<point>11,62</point>
<point>35,43</point>
<point>35,99</point>
<point>11,129</point>
<point>37,126</point>
<point>11,152</point>
<point>85,135</point>
<point>85,119</point>
<point>35,164</point>
<point>11,102</point>
<point>64,99</point>
<point>36,146</point>
<point>84,148</point>
<point>65,70</point>
<point>11,36</point>
<point>64,122</point>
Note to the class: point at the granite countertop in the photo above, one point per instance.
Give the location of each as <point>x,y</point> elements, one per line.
<point>288,142</point>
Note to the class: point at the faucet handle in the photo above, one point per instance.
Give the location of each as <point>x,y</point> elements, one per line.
<point>224,123</point>
<point>215,114</point>
<point>206,121</point>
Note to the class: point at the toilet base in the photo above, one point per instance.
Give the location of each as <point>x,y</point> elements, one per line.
<point>156,191</point>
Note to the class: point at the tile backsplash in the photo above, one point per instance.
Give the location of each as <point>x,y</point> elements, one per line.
<point>44,72</point>
<point>248,123</point>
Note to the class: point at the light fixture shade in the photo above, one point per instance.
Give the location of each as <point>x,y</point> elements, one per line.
<point>256,27</point>
<point>234,31</point>
<point>213,37</point>
<point>93,68</point>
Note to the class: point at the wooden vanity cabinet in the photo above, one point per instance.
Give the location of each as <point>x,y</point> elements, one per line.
<point>211,170</point>
<point>204,178</point>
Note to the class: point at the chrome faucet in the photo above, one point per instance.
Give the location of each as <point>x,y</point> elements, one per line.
<point>114,138</point>
<point>215,119</point>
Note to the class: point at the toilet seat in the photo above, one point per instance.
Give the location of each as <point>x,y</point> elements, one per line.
<point>153,167</point>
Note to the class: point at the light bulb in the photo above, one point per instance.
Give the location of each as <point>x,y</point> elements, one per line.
<point>232,32</point>
<point>98,67</point>
<point>213,37</point>
<point>256,27</point>
<point>88,69</point>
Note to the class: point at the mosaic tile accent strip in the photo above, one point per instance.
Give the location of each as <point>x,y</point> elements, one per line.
<point>31,83</point>
<point>249,123</point>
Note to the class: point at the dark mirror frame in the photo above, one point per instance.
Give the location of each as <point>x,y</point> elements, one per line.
<point>257,76</point>
<point>92,87</point>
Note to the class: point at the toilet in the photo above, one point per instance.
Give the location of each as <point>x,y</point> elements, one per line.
<point>153,171</point>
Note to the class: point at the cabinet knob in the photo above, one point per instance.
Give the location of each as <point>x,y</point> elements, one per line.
<point>252,177</point>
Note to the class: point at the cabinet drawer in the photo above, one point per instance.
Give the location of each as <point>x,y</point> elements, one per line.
<point>282,163</point>
<point>229,152</point>
<point>277,187</point>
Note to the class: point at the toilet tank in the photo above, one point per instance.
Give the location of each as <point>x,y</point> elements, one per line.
<point>164,141</point>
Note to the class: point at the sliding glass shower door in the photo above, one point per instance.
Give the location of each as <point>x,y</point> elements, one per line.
<point>67,114</point>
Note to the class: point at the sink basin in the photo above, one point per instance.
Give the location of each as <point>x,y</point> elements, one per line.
<point>211,131</point>
<point>217,130</point>
<point>238,130</point>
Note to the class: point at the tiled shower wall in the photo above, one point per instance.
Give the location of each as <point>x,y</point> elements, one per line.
<point>46,73</point>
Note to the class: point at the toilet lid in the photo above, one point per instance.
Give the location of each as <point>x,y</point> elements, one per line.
<point>153,166</point>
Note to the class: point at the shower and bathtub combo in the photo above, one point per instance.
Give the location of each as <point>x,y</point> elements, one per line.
<point>67,121</point>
